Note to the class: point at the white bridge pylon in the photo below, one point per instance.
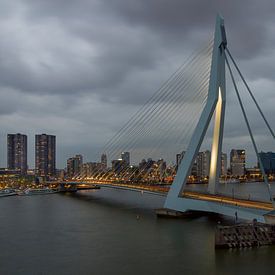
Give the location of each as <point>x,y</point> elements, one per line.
<point>215,104</point>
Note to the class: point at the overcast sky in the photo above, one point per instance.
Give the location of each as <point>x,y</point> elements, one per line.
<point>80,69</point>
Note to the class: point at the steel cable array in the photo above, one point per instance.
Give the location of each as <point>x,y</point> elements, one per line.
<point>164,124</point>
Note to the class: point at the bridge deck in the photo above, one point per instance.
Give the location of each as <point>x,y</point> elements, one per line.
<point>229,200</point>
<point>219,198</point>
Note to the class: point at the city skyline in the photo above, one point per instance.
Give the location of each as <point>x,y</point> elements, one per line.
<point>99,106</point>
<point>45,153</point>
<point>123,156</point>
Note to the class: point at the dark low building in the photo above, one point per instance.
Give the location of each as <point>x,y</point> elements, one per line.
<point>118,165</point>
<point>268,161</point>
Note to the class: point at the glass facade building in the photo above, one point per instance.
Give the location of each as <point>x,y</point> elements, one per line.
<point>237,162</point>
<point>45,155</point>
<point>268,161</point>
<point>17,152</point>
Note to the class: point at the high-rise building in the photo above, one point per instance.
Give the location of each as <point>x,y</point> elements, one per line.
<point>104,161</point>
<point>45,151</point>
<point>161,165</point>
<point>118,165</point>
<point>17,152</point>
<point>223,164</point>
<point>125,156</point>
<point>74,165</point>
<point>268,161</point>
<point>196,165</point>
<point>203,164</point>
<point>237,162</point>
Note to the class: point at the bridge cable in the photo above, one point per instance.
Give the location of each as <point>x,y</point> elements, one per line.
<point>144,118</point>
<point>159,122</point>
<point>250,133</point>
<point>151,110</point>
<point>166,135</point>
<point>251,94</point>
<point>163,135</point>
<point>141,131</point>
<point>155,97</point>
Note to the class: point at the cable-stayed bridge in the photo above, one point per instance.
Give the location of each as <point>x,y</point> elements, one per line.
<point>176,119</point>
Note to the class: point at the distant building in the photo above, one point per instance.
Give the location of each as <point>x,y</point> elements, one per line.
<point>31,172</point>
<point>161,164</point>
<point>6,171</point>
<point>142,165</point>
<point>150,163</point>
<point>253,173</point>
<point>125,156</point>
<point>203,164</point>
<point>74,166</point>
<point>90,169</point>
<point>60,174</point>
<point>268,161</point>
<point>223,164</point>
<point>9,176</point>
<point>104,161</point>
<point>194,169</point>
<point>17,152</point>
<point>118,165</point>
<point>45,155</point>
<point>237,162</point>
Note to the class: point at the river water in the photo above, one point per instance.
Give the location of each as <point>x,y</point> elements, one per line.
<point>111,231</point>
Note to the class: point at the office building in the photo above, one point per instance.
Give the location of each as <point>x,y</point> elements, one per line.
<point>161,166</point>
<point>17,152</point>
<point>45,155</point>
<point>104,161</point>
<point>125,156</point>
<point>90,169</point>
<point>118,165</point>
<point>203,164</point>
<point>223,164</point>
<point>268,161</point>
<point>237,162</point>
<point>74,165</point>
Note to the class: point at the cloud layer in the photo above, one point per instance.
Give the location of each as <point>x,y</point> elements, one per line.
<point>80,69</point>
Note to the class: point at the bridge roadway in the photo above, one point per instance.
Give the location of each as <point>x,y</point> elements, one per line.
<point>162,191</point>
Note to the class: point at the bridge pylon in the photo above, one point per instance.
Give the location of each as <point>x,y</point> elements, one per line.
<point>215,104</point>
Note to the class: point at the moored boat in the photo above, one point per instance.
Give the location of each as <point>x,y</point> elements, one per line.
<point>38,191</point>
<point>7,192</point>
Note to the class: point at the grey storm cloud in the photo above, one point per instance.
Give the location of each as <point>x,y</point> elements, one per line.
<point>80,69</point>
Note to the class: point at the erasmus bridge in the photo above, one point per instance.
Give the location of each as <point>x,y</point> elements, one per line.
<point>175,119</point>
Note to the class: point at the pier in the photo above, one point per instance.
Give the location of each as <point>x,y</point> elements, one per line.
<point>244,235</point>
